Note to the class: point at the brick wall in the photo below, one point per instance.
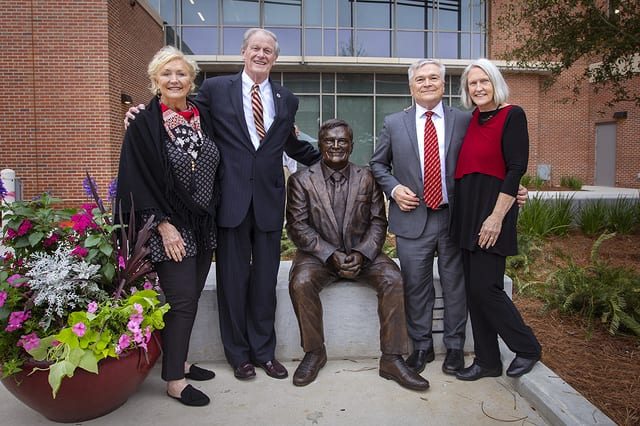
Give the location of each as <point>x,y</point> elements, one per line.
<point>67,64</point>
<point>563,130</point>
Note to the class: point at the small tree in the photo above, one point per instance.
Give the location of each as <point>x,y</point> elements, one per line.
<point>555,34</point>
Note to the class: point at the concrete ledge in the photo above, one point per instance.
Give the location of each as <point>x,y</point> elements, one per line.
<point>554,399</point>
<point>350,321</point>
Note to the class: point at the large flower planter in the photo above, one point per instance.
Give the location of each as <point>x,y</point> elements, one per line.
<point>86,395</point>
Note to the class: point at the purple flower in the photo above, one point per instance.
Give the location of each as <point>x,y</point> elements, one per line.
<point>121,262</point>
<point>13,278</point>
<point>92,307</point>
<point>79,329</point>
<point>16,319</point>
<point>124,341</point>
<point>138,308</point>
<point>28,342</point>
<point>133,326</point>
<point>113,188</point>
<point>48,242</point>
<point>3,297</point>
<point>86,185</point>
<point>3,193</point>
<point>147,285</point>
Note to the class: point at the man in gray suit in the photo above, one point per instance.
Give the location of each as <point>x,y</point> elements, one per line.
<point>422,230</point>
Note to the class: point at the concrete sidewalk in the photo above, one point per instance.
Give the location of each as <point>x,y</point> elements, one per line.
<point>347,392</point>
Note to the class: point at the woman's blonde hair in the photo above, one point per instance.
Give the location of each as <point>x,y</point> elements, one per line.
<point>163,57</point>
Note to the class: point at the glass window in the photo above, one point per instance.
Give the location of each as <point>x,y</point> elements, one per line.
<point>232,40</point>
<point>328,108</point>
<point>374,14</point>
<point>446,45</point>
<point>308,115</point>
<point>358,112</point>
<point>313,42</point>
<point>345,19</point>
<point>330,42</point>
<point>389,105</point>
<point>328,83</point>
<point>168,11</point>
<point>354,83</point>
<point>392,84</point>
<point>411,15</point>
<point>374,43</point>
<point>283,12</point>
<point>411,44</point>
<point>302,82</point>
<point>199,12</point>
<point>328,12</point>
<point>199,40</point>
<point>347,45</point>
<point>289,40</point>
<point>241,12</point>
<point>447,20</point>
<point>313,13</point>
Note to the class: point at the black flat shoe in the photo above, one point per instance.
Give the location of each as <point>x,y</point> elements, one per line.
<point>419,359</point>
<point>520,366</point>
<point>199,374</point>
<point>192,397</point>
<point>475,372</point>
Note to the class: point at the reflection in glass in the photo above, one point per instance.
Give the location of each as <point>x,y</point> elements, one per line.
<point>232,38</point>
<point>241,12</point>
<point>354,83</point>
<point>411,44</point>
<point>374,43</point>
<point>328,82</point>
<point>330,43</point>
<point>313,42</point>
<point>374,15</point>
<point>392,84</point>
<point>299,82</point>
<point>199,40</point>
<point>389,105</point>
<point>345,18</point>
<point>313,13</point>
<point>411,15</point>
<point>328,107</point>
<point>283,12</point>
<point>446,45</point>
<point>308,115</point>
<point>289,40</point>
<point>358,112</point>
<point>200,12</point>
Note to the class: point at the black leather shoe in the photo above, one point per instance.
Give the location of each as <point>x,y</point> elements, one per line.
<point>453,362</point>
<point>393,367</point>
<point>192,397</point>
<point>309,367</point>
<point>245,371</point>
<point>199,374</point>
<point>274,369</point>
<point>419,359</point>
<point>520,366</point>
<point>475,372</point>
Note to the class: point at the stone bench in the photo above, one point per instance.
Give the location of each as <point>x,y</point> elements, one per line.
<point>350,321</point>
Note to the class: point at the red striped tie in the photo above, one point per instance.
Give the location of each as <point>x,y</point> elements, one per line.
<point>256,105</point>
<point>432,177</point>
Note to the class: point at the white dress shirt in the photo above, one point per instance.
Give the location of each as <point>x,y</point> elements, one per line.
<point>268,107</point>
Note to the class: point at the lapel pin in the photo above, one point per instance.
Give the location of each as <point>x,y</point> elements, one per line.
<point>277,95</point>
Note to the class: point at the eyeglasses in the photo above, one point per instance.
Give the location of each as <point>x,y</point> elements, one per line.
<point>342,142</point>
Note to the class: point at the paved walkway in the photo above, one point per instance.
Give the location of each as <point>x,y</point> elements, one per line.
<point>348,392</point>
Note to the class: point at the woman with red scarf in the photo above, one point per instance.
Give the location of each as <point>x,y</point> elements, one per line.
<point>169,163</point>
<point>492,160</point>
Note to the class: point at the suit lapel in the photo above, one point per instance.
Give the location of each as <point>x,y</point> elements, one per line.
<point>322,192</point>
<point>355,176</point>
<point>449,122</point>
<point>409,120</point>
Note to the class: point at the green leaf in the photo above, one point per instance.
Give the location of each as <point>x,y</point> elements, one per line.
<point>57,372</point>
<point>35,238</point>
<point>92,240</point>
<point>88,362</point>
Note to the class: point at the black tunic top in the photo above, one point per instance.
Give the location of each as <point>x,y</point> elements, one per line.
<point>476,193</point>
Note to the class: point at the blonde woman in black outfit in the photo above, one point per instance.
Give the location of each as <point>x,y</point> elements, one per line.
<point>169,163</point>
<point>492,160</point>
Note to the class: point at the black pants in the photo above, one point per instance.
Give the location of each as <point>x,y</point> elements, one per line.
<point>182,284</point>
<point>492,311</point>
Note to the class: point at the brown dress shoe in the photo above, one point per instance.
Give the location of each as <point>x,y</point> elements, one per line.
<point>309,367</point>
<point>274,369</point>
<point>393,367</point>
<point>245,371</point>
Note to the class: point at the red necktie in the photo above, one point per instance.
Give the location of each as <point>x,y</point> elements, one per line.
<point>432,177</point>
<point>256,105</point>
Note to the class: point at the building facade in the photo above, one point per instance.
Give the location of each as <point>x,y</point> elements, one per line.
<point>342,58</point>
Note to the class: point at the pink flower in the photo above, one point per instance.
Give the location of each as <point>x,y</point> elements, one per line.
<point>79,252</point>
<point>133,290</point>
<point>11,234</point>
<point>133,325</point>
<point>121,262</point>
<point>13,278</point>
<point>79,329</point>
<point>92,307</point>
<point>124,341</point>
<point>147,285</point>
<point>24,227</point>
<point>16,319</point>
<point>28,342</point>
<point>82,221</point>
<point>89,208</point>
<point>138,337</point>
<point>138,308</point>
<point>48,242</point>
<point>3,297</point>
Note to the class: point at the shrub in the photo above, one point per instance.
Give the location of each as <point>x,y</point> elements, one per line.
<point>535,182</point>
<point>592,217</point>
<point>541,217</point>
<point>621,216</point>
<point>571,182</point>
<point>597,290</point>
